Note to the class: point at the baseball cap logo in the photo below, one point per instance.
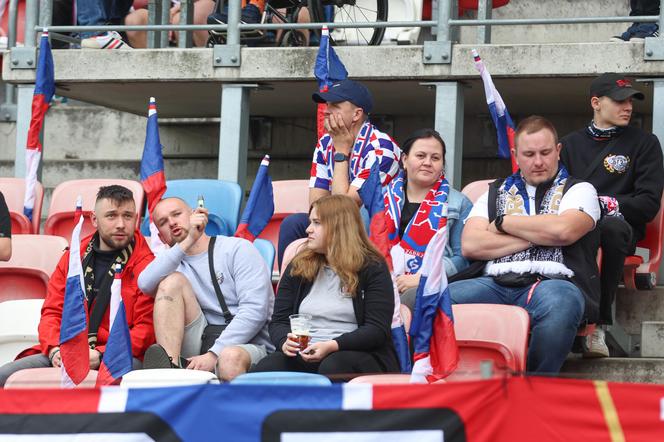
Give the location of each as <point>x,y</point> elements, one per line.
<point>623,83</point>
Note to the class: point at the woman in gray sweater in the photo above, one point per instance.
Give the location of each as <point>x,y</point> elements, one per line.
<point>343,283</point>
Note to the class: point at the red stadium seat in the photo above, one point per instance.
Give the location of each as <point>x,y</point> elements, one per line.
<point>26,274</point>
<point>484,332</point>
<point>13,189</point>
<point>490,332</point>
<point>45,378</point>
<point>290,196</point>
<point>640,274</point>
<point>475,189</point>
<point>61,211</point>
<point>19,321</point>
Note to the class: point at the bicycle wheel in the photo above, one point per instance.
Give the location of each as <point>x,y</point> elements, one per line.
<point>352,11</point>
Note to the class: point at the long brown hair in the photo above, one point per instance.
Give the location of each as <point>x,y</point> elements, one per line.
<point>347,246</point>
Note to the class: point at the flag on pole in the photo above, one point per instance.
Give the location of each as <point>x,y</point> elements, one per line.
<point>41,100</point>
<point>260,205</point>
<point>432,330</point>
<point>74,350</point>
<point>371,194</point>
<point>117,359</point>
<point>328,69</point>
<point>501,117</point>
<point>152,171</point>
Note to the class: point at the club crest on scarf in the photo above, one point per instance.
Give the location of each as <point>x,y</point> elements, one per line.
<point>421,228</point>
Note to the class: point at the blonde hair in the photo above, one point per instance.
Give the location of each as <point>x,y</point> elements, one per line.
<point>347,246</point>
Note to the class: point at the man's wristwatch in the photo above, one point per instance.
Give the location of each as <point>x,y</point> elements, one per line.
<point>339,157</point>
<point>499,223</point>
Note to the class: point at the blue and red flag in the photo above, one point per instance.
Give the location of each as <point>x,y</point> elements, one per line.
<point>328,69</point>
<point>117,359</point>
<point>432,331</point>
<point>74,349</point>
<point>499,114</point>
<point>152,170</point>
<point>371,194</point>
<point>41,100</point>
<point>260,204</point>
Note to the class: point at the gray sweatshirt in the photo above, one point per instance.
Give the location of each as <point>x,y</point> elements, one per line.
<point>244,281</point>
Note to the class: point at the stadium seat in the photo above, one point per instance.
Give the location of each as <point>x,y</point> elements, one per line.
<point>290,252</point>
<point>18,327</point>
<point>61,211</point>
<point>282,378</point>
<point>475,189</point>
<point>290,196</point>
<point>45,378</point>
<point>267,252</point>
<point>26,274</point>
<point>404,10</point>
<point>641,274</point>
<point>166,377</point>
<point>490,332</point>
<point>222,199</point>
<point>13,190</point>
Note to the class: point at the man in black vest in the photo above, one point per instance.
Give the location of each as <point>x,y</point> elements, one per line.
<point>536,230</point>
<point>624,164</point>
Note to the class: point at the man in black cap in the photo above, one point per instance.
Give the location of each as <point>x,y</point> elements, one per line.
<point>624,163</point>
<point>344,156</point>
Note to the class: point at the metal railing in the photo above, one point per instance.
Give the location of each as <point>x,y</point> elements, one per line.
<point>439,51</point>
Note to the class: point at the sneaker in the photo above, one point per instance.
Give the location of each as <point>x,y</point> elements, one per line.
<point>156,357</point>
<point>638,32</point>
<point>109,40</point>
<point>595,345</point>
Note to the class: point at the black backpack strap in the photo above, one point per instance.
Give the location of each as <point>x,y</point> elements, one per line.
<point>220,296</point>
<point>492,198</point>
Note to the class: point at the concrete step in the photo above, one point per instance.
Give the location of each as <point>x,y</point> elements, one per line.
<point>635,306</point>
<point>648,370</point>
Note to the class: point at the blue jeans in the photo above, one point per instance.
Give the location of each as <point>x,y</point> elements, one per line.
<point>101,12</point>
<point>555,310</point>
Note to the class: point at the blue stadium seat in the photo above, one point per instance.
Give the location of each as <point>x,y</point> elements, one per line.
<point>266,250</point>
<point>222,199</point>
<point>282,378</point>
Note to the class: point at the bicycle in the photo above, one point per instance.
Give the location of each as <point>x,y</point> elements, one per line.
<point>319,11</point>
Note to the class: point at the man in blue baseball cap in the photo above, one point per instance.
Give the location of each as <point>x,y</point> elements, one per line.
<point>344,156</point>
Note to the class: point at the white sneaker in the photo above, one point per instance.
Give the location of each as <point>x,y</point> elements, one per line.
<point>109,40</point>
<point>595,345</point>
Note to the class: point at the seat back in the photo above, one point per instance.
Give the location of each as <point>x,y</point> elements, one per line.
<point>282,378</point>
<point>640,274</point>
<point>491,332</point>
<point>293,249</point>
<point>222,199</point>
<point>267,252</point>
<point>18,327</point>
<point>404,10</point>
<point>26,274</point>
<point>166,377</point>
<point>50,377</point>
<point>61,211</point>
<point>291,196</point>
<point>13,189</point>
<point>475,189</point>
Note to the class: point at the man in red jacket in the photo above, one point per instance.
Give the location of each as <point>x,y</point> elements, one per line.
<point>115,241</point>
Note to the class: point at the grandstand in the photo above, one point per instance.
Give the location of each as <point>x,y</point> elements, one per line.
<point>218,121</point>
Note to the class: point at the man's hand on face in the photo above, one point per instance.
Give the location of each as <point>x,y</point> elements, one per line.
<point>342,138</point>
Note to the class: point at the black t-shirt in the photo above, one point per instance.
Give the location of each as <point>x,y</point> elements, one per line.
<point>5,221</point>
<point>102,265</point>
<point>407,213</point>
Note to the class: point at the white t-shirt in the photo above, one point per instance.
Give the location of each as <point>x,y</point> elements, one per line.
<point>581,196</point>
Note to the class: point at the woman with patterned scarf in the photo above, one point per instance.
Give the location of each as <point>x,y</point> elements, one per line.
<point>415,204</point>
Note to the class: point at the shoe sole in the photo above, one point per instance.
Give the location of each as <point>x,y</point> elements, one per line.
<point>156,357</point>
<point>594,355</point>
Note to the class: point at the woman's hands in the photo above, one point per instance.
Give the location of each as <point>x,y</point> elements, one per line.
<point>318,351</point>
<point>291,346</point>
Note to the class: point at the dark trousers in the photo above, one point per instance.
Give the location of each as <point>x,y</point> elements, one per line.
<point>340,362</point>
<point>644,7</point>
<point>292,227</point>
<point>618,241</point>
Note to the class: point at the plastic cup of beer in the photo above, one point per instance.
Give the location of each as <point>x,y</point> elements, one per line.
<point>300,326</point>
